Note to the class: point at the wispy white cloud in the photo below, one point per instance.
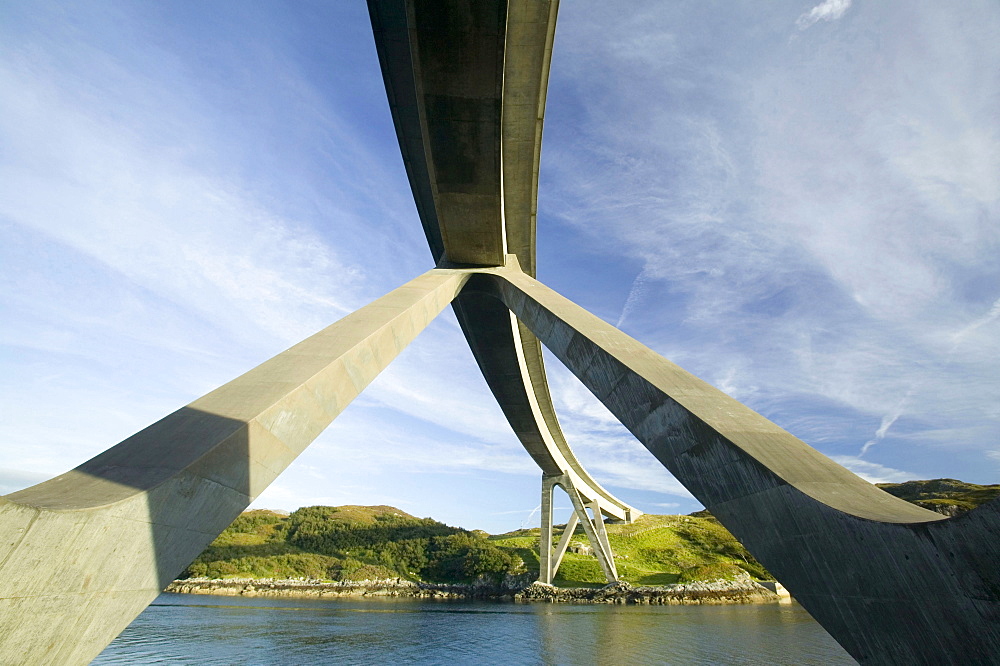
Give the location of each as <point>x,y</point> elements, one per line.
<point>873,472</point>
<point>634,296</point>
<point>15,479</point>
<point>637,475</point>
<point>989,318</point>
<point>607,450</point>
<point>158,237</point>
<point>177,230</point>
<point>733,383</point>
<point>887,421</point>
<point>816,225</point>
<point>828,10</point>
<point>453,395</point>
<point>810,227</point>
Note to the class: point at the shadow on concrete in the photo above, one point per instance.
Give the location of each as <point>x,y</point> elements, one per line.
<point>82,554</point>
<point>110,534</point>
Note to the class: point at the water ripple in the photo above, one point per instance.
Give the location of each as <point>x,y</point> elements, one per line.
<point>190,629</point>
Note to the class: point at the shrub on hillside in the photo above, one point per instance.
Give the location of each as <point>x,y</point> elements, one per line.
<point>465,557</point>
<point>318,528</point>
<point>708,572</point>
<point>289,565</point>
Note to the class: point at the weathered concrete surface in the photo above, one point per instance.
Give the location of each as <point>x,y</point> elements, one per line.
<point>82,554</point>
<point>425,52</point>
<point>467,110</point>
<point>442,61</point>
<point>891,582</point>
<point>531,29</point>
<point>524,396</point>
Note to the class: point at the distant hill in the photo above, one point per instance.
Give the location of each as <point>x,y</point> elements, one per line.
<point>946,496</point>
<point>350,543</point>
<point>654,550</point>
<point>377,542</point>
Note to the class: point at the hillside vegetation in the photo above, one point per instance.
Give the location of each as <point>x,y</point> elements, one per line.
<point>377,542</point>
<point>947,496</point>
<point>358,543</point>
<point>350,543</point>
<point>654,550</point>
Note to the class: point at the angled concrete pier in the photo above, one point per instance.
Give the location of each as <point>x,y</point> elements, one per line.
<point>82,554</point>
<point>892,582</point>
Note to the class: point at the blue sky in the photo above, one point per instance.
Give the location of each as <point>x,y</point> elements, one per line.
<point>797,201</point>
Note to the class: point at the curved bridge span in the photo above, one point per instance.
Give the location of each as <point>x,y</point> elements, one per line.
<point>466,80</point>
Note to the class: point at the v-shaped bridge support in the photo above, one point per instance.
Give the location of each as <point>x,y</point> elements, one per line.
<point>83,553</point>
<point>593,527</point>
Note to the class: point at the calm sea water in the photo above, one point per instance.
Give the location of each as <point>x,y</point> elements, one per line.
<point>193,629</point>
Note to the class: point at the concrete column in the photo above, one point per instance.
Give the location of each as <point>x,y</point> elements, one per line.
<point>601,549</point>
<point>549,561</point>
<point>545,568</point>
<point>602,537</point>
<point>567,536</point>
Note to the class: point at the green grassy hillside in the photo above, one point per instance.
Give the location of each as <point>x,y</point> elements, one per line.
<point>350,543</point>
<point>948,496</point>
<point>356,543</point>
<point>654,550</point>
<point>368,542</point>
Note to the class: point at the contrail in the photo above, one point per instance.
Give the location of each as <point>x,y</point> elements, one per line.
<point>887,422</point>
<point>633,296</point>
<point>889,419</point>
<point>990,316</point>
<point>530,516</point>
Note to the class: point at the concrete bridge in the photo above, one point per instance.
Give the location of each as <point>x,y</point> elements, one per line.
<point>82,554</point>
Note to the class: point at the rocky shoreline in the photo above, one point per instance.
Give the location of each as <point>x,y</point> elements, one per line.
<point>743,590</point>
<point>740,591</point>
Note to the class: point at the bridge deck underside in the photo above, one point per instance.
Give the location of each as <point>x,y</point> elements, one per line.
<point>466,110</point>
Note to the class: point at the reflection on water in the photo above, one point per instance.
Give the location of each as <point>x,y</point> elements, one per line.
<point>192,629</point>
